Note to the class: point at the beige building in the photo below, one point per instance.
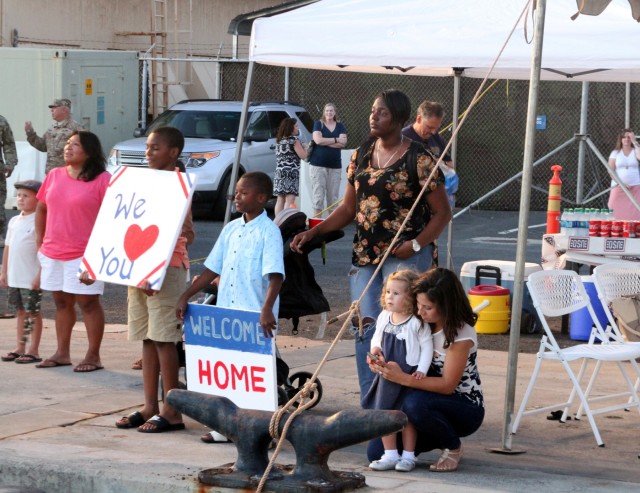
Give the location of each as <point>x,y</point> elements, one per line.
<point>158,29</point>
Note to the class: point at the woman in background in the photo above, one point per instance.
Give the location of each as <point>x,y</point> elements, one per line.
<point>330,137</point>
<point>624,161</point>
<point>289,152</point>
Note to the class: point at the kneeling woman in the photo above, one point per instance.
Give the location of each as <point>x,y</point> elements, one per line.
<point>448,403</point>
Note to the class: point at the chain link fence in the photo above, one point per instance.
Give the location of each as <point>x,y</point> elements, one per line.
<point>491,141</point>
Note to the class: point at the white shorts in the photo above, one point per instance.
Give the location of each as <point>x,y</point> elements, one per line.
<point>62,275</point>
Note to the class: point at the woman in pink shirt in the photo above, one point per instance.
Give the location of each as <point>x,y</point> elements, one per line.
<point>69,201</point>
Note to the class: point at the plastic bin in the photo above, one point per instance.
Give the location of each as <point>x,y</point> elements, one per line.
<point>530,322</point>
<point>580,322</point>
<point>494,318</point>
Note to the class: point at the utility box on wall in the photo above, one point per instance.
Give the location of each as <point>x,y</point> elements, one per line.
<point>102,87</point>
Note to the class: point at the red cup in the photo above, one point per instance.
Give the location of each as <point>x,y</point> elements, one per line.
<point>605,229</point>
<point>314,221</point>
<point>616,229</point>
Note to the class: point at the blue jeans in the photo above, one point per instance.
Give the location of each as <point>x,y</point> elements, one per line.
<point>440,421</point>
<point>370,303</point>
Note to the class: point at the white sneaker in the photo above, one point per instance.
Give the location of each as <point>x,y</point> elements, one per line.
<point>384,464</point>
<point>405,465</point>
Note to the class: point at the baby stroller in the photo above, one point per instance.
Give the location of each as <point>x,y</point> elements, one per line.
<point>300,294</point>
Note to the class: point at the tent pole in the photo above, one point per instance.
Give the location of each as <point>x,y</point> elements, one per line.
<point>454,156</point>
<point>286,83</point>
<point>627,104</point>
<point>523,224</point>
<point>584,108</point>
<point>240,139</point>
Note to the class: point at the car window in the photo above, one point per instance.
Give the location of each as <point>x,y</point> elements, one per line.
<point>222,125</point>
<point>275,117</point>
<point>259,126</point>
<point>306,120</point>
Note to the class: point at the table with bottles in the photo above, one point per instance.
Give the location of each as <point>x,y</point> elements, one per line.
<point>591,237</point>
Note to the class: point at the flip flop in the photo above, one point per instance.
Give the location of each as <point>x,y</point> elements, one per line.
<point>134,420</point>
<point>210,438</point>
<point>161,425</point>
<point>49,363</point>
<point>28,358</point>
<point>87,367</point>
<point>10,356</point>
<point>7,315</point>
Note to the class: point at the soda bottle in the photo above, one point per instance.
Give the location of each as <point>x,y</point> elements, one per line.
<point>594,222</point>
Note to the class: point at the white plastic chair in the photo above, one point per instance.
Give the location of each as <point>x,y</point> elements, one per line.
<point>614,281</point>
<point>560,292</point>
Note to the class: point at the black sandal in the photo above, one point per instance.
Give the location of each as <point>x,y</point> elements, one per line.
<point>134,420</point>
<point>10,356</point>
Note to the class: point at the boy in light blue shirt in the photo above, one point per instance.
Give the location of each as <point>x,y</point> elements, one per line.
<point>248,257</point>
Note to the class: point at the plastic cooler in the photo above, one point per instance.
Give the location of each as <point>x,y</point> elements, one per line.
<point>580,323</point>
<point>502,273</point>
<point>494,318</point>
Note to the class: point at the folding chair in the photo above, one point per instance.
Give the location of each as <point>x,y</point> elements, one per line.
<point>614,281</point>
<point>560,292</point>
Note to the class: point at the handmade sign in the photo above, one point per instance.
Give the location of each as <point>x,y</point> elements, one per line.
<point>228,355</point>
<point>138,225</point>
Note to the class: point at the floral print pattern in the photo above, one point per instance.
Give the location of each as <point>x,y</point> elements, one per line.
<point>384,198</point>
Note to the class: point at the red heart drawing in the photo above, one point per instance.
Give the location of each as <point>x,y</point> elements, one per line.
<point>138,240</point>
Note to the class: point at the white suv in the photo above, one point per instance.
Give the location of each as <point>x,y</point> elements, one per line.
<point>210,128</point>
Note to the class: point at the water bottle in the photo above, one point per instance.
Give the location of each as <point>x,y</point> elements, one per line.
<point>563,222</point>
<point>577,221</point>
<point>584,222</point>
<point>569,222</point>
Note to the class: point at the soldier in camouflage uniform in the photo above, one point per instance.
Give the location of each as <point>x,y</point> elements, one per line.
<point>8,161</point>
<point>54,139</point>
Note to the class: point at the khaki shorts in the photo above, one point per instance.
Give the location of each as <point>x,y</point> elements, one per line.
<point>325,184</point>
<point>154,317</point>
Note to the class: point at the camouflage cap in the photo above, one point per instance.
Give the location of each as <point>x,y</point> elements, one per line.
<point>60,102</point>
<point>33,185</point>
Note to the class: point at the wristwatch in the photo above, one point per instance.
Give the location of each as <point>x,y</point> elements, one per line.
<point>415,245</point>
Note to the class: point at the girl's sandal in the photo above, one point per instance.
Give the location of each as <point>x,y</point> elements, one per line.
<point>448,461</point>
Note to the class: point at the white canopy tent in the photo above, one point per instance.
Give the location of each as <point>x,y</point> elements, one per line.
<point>433,37</point>
<point>441,37</point>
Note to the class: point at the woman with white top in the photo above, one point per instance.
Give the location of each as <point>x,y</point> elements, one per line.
<point>624,160</point>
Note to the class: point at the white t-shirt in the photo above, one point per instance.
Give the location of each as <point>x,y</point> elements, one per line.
<point>22,263</point>
<point>627,167</point>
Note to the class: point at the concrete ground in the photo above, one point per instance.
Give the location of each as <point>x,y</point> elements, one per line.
<point>57,430</point>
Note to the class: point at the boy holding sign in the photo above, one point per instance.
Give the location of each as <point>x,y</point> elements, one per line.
<point>151,312</point>
<point>247,258</point>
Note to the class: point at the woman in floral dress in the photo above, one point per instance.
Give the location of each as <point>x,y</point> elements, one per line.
<point>385,176</point>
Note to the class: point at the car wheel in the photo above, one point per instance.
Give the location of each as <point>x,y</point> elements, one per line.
<point>220,205</point>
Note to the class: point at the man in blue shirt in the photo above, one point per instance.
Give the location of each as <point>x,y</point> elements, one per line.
<point>425,129</point>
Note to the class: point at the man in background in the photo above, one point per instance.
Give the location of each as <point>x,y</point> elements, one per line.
<point>425,130</point>
<point>8,161</point>
<point>54,139</point>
